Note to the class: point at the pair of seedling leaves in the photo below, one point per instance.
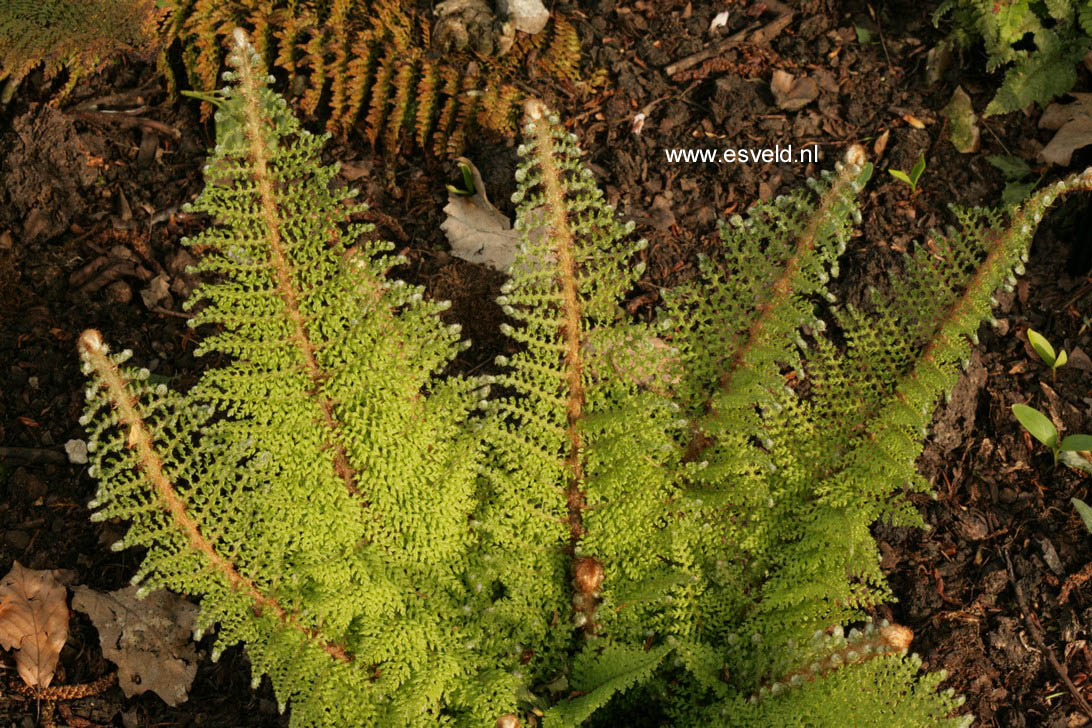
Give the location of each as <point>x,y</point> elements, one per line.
<point>1038,424</point>
<point>1073,450</point>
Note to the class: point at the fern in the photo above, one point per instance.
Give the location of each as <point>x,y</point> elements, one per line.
<point>1060,32</point>
<point>650,520</point>
<point>79,37</point>
<point>374,60</point>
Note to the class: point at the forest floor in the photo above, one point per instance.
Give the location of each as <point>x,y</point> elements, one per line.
<point>89,237</point>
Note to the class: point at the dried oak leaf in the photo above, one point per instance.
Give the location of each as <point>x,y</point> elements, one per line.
<point>148,639</point>
<point>33,621</point>
<point>478,231</point>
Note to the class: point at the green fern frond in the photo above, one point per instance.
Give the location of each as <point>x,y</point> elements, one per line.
<point>325,446</point>
<point>1060,32</point>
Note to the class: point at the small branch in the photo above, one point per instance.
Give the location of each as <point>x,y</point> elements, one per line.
<point>706,53</point>
<point>1037,634</point>
<point>1075,581</point>
<point>105,117</point>
<point>762,35</point>
<point>168,312</point>
<point>33,455</point>
<point>69,692</point>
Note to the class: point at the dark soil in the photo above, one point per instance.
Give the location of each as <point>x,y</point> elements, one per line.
<point>89,231</point>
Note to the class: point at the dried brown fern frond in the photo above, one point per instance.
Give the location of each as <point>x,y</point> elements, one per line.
<point>377,60</point>
<point>80,37</point>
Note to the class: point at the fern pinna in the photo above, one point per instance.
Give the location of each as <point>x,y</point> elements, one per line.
<point>654,524</point>
<point>374,60</point>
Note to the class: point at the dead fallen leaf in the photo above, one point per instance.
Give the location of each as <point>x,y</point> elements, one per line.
<point>148,639</point>
<point>353,171</point>
<point>913,121</point>
<point>1054,405</point>
<point>1073,125</point>
<point>33,622</point>
<point>880,145</point>
<point>156,290</point>
<point>478,231</point>
<point>792,93</point>
<point>645,360</point>
<point>76,451</point>
<point>937,61</point>
<point>1079,360</point>
<point>663,218</point>
<point>962,122</point>
<point>720,21</point>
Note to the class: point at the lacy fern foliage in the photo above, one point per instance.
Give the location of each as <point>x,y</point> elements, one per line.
<point>376,60</point>
<point>1039,44</point>
<point>652,519</point>
<point>79,37</point>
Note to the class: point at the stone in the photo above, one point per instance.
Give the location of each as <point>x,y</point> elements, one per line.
<point>529,16</point>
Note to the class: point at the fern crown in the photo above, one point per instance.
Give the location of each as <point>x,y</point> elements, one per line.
<point>667,519</point>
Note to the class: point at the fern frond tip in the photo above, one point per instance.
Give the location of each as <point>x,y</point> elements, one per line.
<point>856,156</point>
<point>90,343</point>
<point>535,110</point>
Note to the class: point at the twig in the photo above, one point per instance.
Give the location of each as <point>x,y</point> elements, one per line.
<point>33,455</point>
<point>647,108</point>
<point>168,312</point>
<point>69,692</point>
<point>763,35</point>
<point>706,53</point>
<point>1037,634</point>
<point>119,118</point>
<point>772,29</point>
<point>116,99</point>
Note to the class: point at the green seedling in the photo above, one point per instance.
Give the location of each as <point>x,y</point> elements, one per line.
<point>912,177</point>
<point>1043,430</point>
<point>1085,512</point>
<point>1046,352</point>
<point>468,182</point>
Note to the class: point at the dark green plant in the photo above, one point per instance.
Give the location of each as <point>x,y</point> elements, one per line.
<point>1084,511</point>
<point>1016,172</point>
<point>653,521</point>
<point>1037,44</point>
<point>1072,450</point>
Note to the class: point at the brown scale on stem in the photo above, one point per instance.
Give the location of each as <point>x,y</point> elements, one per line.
<point>584,602</point>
